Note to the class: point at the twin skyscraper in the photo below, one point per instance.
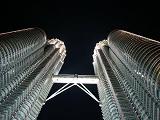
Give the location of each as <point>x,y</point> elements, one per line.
<point>127,66</point>
<point>27,63</point>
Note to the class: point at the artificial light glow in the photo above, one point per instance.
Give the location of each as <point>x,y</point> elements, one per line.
<point>52,41</point>
<point>97,46</point>
<point>57,45</point>
<point>62,48</point>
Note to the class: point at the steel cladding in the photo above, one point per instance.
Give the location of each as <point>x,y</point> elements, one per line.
<point>28,62</point>
<point>132,62</point>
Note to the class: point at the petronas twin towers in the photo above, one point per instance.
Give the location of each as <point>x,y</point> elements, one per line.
<point>127,74</point>
<point>28,61</point>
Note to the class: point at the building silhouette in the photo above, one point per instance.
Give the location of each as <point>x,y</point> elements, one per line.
<point>126,65</point>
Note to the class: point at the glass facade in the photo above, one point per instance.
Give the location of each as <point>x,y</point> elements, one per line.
<point>27,62</point>
<point>128,67</point>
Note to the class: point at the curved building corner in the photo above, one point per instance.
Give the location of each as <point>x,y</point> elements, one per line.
<point>128,66</point>
<point>27,63</point>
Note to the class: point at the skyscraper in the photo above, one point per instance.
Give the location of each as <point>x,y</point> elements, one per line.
<point>27,63</point>
<point>128,68</point>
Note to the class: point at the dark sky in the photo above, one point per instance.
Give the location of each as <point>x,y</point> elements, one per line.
<point>80,24</point>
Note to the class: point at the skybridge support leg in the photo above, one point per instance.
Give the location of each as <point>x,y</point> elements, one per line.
<point>62,89</point>
<point>82,87</point>
<point>74,80</point>
<point>67,86</point>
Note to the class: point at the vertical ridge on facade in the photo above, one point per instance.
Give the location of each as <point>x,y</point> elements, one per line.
<point>131,63</point>
<point>28,62</point>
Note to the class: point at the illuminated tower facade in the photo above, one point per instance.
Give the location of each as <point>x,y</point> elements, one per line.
<point>27,62</point>
<point>127,75</point>
<point>128,67</point>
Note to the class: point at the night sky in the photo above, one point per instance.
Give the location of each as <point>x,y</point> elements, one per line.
<point>80,24</point>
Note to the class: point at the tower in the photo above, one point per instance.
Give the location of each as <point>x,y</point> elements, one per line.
<point>129,81</point>
<point>126,66</point>
<point>28,62</point>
